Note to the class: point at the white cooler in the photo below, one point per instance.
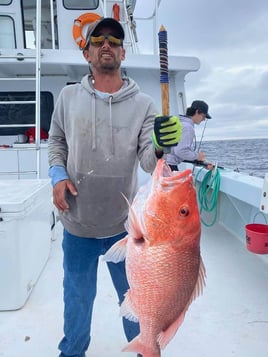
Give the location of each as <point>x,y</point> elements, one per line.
<point>26,210</point>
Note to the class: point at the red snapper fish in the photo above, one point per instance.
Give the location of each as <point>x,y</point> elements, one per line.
<point>163,262</point>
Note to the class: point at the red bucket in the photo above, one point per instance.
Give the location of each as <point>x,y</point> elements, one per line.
<point>257,238</point>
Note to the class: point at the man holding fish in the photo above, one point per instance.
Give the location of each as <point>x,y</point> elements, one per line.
<point>101,129</point>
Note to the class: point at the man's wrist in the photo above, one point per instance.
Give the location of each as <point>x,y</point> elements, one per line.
<point>159,153</point>
<point>57,173</point>
<point>155,143</point>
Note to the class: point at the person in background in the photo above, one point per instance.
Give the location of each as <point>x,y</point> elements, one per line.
<point>185,150</point>
<point>101,129</point>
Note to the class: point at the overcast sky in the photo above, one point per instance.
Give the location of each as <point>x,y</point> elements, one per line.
<point>231,40</point>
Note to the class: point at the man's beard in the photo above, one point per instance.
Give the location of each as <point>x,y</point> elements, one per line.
<point>109,67</point>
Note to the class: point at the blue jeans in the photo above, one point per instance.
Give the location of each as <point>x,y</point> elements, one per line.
<point>80,265</point>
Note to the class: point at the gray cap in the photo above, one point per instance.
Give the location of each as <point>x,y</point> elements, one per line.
<point>104,23</point>
<point>201,106</point>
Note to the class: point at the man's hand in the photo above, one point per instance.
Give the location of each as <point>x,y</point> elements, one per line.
<point>201,156</point>
<point>167,131</point>
<point>59,194</point>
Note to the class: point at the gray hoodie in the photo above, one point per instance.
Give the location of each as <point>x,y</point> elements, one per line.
<point>100,142</point>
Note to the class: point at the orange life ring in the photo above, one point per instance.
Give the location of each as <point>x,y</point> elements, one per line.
<point>78,25</point>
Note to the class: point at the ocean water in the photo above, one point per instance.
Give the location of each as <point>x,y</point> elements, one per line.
<point>244,155</point>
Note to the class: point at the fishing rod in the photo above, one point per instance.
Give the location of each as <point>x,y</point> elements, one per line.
<point>203,163</point>
<point>164,80</point>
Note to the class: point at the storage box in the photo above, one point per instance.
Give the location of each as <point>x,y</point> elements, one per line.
<point>26,210</point>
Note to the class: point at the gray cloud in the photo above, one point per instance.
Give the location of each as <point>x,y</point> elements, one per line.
<point>231,41</point>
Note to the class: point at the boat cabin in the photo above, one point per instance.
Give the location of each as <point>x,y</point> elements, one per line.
<point>40,54</point>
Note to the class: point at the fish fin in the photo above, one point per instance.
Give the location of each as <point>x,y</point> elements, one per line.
<point>198,290</point>
<point>133,225</point>
<point>117,252</point>
<point>126,309</point>
<point>166,336</point>
<point>200,283</point>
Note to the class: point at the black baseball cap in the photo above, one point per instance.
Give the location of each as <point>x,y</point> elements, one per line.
<point>103,23</point>
<point>201,106</point>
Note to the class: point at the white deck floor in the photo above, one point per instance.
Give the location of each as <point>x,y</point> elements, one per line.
<point>230,319</point>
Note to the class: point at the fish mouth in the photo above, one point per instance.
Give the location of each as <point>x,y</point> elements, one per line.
<point>166,170</point>
<point>175,175</point>
<point>167,180</point>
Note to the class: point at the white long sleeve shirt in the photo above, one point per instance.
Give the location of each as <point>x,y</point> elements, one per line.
<point>185,149</point>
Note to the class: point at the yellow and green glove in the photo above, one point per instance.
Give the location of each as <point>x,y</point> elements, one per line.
<point>167,131</point>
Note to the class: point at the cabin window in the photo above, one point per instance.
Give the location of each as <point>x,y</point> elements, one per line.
<point>81,4</point>
<point>29,23</point>
<point>5,2</point>
<point>17,114</point>
<point>7,33</point>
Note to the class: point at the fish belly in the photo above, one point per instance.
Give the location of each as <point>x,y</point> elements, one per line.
<point>161,282</point>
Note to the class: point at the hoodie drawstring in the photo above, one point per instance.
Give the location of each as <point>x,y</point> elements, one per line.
<point>111,123</point>
<point>93,116</point>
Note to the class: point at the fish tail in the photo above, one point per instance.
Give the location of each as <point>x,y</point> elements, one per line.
<point>136,345</point>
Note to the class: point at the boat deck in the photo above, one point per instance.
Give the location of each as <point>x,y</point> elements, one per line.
<point>229,319</point>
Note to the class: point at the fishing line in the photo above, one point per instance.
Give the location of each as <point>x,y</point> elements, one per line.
<point>208,194</point>
<point>202,136</point>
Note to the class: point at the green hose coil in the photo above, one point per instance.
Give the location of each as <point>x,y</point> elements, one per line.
<point>208,194</point>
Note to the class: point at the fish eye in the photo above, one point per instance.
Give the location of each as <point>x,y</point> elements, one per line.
<point>184,211</point>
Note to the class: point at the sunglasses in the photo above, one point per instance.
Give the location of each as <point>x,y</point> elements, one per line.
<point>98,41</point>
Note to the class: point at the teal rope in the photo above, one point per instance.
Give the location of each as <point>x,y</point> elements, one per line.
<point>208,194</point>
